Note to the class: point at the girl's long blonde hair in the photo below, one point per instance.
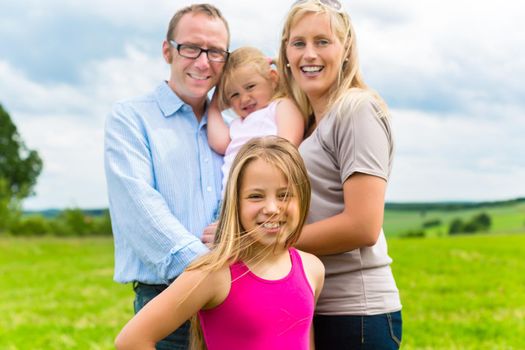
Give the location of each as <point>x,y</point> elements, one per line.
<point>349,78</point>
<point>232,242</point>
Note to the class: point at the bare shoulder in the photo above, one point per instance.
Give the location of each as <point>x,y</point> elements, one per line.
<point>219,281</point>
<point>312,262</point>
<point>314,269</point>
<point>287,104</point>
<point>290,121</point>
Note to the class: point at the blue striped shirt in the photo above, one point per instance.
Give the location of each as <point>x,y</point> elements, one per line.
<point>164,185</point>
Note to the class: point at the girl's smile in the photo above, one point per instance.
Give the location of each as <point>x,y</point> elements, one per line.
<point>268,211</point>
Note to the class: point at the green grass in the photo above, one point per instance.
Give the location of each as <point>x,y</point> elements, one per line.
<point>464,292</point>
<point>505,219</point>
<point>59,294</point>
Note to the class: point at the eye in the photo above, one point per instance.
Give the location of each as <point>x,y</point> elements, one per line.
<point>250,87</point>
<point>285,196</point>
<point>323,42</point>
<point>297,44</point>
<point>234,95</point>
<point>190,49</point>
<point>215,53</point>
<point>254,196</point>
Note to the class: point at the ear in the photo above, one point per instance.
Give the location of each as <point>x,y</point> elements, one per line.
<point>166,52</point>
<point>274,78</point>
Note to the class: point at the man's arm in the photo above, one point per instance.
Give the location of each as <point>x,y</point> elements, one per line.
<point>140,215</point>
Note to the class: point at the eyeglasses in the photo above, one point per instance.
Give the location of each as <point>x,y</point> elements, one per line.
<point>193,52</point>
<point>334,4</point>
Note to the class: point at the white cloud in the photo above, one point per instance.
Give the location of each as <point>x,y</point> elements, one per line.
<point>64,123</point>
<point>451,72</point>
<point>456,157</point>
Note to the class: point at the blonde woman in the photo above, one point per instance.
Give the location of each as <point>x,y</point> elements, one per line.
<point>253,290</point>
<point>348,153</point>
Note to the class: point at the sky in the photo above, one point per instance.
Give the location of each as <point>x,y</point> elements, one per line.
<point>450,71</point>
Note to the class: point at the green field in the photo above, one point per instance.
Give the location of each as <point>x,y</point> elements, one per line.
<point>505,219</point>
<point>464,292</point>
<point>59,294</point>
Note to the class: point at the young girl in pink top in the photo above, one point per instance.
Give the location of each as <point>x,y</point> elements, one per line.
<point>253,290</point>
<point>249,87</point>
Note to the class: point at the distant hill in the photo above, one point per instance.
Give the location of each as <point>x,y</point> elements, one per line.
<point>396,206</point>
<point>451,206</point>
<point>435,218</point>
<point>405,219</point>
<point>51,213</point>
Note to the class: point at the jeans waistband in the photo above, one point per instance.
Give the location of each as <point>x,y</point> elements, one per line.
<point>137,284</point>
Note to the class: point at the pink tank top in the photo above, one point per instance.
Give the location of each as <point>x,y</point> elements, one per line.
<point>261,314</point>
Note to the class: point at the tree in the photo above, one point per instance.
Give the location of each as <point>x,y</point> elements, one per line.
<point>483,221</point>
<point>456,226</point>
<point>19,169</point>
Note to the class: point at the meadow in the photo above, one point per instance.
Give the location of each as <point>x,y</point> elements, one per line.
<point>462,292</point>
<point>506,217</point>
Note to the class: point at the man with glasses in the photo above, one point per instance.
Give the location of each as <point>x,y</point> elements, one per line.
<point>164,181</point>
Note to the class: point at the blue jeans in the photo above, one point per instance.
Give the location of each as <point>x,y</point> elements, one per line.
<point>178,340</point>
<point>217,214</point>
<point>377,332</point>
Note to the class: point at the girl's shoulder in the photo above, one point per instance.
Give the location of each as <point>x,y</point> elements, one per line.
<point>217,280</point>
<point>285,101</point>
<point>314,270</point>
<point>286,107</point>
<point>311,262</point>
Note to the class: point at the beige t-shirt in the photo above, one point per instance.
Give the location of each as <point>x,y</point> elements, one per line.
<point>358,282</point>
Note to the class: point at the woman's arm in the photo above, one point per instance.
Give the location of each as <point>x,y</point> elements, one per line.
<point>190,292</point>
<point>218,131</point>
<point>290,121</point>
<point>357,226</point>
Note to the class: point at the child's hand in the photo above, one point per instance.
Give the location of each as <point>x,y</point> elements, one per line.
<point>208,235</point>
<point>215,99</point>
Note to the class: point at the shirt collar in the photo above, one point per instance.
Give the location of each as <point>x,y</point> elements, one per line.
<point>170,103</point>
<point>168,100</point>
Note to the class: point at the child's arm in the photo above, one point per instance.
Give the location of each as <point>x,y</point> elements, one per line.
<point>314,269</point>
<point>190,292</point>
<point>218,131</point>
<point>290,121</point>
<point>312,337</point>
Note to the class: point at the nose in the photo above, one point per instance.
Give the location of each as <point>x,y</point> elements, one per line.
<point>202,61</point>
<point>310,52</point>
<point>244,97</point>
<point>271,207</point>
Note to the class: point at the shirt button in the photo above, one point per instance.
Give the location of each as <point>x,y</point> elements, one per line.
<point>205,160</point>
<point>208,188</point>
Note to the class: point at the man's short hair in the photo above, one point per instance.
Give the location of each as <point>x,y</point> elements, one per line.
<point>206,9</point>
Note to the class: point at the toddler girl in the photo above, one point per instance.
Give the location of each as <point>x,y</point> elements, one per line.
<point>249,87</point>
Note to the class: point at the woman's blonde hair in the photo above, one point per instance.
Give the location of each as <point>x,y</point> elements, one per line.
<point>349,77</point>
<point>232,242</point>
<point>242,57</point>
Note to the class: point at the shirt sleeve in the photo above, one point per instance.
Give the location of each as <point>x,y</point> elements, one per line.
<point>140,215</point>
<point>362,140</point>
